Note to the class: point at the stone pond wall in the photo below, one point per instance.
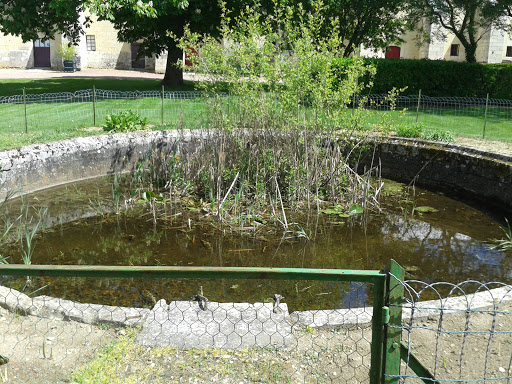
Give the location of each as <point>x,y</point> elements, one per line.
<point>479,177</point>
<point>42,166</point>
<point>468,173</point>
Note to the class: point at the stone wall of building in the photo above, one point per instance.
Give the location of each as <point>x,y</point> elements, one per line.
<point>14,53</point>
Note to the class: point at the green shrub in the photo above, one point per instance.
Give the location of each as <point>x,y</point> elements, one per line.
<point>125,121</point>
<point>414,130</point>
<point>67,52</point>
<point>436,77</point>
<point>438,135</point>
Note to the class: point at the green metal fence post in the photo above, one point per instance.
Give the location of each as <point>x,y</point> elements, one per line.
<point>25,106</point>
<point>393,328</point>
<point>378,320</point>
<point>94,105</point>
<point>163,98</point>
<point>418,106</point>
<point>485,115</point>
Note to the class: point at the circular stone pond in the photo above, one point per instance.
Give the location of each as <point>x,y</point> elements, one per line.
<point>434,237</point>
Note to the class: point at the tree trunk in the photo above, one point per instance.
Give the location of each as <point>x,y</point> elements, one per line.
<point>173,75</point>
<point>470,52</point>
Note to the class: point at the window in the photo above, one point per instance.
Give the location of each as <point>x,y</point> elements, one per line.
<point>41,43</point>
<point>509,51</point>
<point>454,50</point>
<point>90,41</point>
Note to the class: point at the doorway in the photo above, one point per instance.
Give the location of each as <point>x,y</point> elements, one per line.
<point>393,52</point>
<point>137,64</point>
<point>42,53</point>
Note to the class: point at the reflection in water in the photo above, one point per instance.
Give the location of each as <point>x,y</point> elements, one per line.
<point>447,245</point>
<point>453,254</point>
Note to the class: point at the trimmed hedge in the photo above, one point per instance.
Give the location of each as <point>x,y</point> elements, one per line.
<point>440,78</point>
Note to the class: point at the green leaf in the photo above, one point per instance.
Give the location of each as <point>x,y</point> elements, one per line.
<point>355,209</point>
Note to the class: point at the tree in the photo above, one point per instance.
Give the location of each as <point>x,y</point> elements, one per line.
<point>468,20</point>
<point>159,25</point>
<point>34,19</point>
<point>376,23</point>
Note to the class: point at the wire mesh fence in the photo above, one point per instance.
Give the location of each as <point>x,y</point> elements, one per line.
<point>164,338</point>
<point>462,116</point>
<point>456,333</point>
<point>57,112</point>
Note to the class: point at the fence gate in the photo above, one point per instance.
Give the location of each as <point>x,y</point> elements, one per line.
<point>443,332</point>
<point>310,325</point>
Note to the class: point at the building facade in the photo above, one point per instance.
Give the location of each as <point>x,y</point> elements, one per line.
<point>494,47</point>
<point>98,48</point>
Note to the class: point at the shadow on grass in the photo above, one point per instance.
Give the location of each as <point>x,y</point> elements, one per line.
<point>10,87</point>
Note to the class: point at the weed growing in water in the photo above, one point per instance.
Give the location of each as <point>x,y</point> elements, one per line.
<point>506,243</point>
<point>281,142</point>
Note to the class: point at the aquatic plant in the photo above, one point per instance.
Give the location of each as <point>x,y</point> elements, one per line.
<point>29,224</point>
<point>506,243</point>
<point>282,142</point>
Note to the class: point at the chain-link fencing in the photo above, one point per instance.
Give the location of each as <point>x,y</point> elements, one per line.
<point>84,112</point>
<point>311,330</point>
<point>454,333</point>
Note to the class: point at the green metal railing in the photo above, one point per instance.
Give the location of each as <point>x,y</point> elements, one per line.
<point>387,349</point>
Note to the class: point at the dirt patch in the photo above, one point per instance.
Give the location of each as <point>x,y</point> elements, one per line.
<point>499,147</point>
<point>42,350</point>
<point>470,346</point>
<point>93,129</point>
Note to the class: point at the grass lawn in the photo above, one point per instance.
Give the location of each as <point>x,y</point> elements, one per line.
<point>463,123</point>
<point>10,87</point>
<point>56,119</point>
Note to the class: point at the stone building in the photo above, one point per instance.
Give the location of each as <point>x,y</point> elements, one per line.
<point>494,47</point>
<point>98,48</point>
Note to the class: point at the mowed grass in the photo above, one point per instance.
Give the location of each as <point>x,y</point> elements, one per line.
<point>468,122</point>
<point>57,121</point>
<point>50,121</point>
<point>55,85</point>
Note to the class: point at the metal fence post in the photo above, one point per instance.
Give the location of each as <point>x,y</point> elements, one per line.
<point>418,106</point>
<point>94,105</point>
<point>163,98</point>
<point>378,321</point>
<point>393,328</point>
<point>485,115</point>
<point>25,106</point>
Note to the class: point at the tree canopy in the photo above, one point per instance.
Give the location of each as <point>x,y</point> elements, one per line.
<point>376,23</point>
<point>156,24</point>
<point>468,20</point>
<point>34,19</point>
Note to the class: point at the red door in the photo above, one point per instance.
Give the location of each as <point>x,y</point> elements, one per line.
<point>137,64</point>
<point>393,52</point>
<point>42,53</point>
<point>188,62</point>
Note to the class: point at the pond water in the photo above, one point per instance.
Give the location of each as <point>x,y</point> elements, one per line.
<point>449,244</point>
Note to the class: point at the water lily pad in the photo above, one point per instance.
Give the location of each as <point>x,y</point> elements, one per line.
<point>355,209</point>
<point>391,188</point>
<point>425,209</point>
